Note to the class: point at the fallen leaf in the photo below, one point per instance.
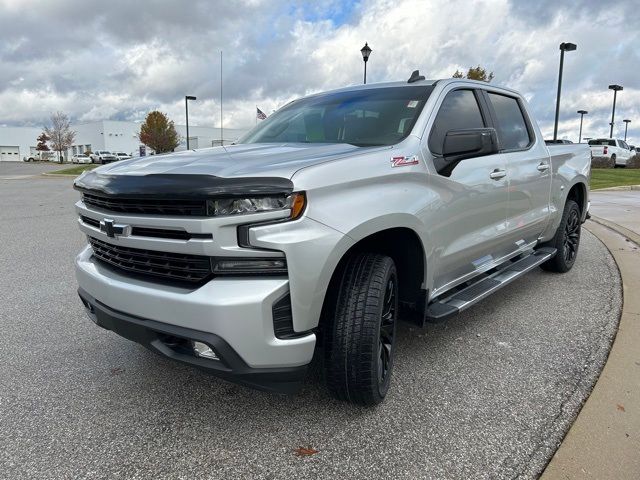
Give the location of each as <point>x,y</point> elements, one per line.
<point>620,407</point>
<point>305,451</point>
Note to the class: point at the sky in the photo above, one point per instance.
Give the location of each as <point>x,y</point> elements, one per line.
<point>120,59</point>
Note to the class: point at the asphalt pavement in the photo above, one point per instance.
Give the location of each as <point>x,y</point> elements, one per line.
<point>488,394</point>
<point>15,170</point>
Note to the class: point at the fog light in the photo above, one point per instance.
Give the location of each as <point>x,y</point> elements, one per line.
<point>204,351</point>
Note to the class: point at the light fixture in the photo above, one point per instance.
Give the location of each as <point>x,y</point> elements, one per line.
<point>365,51</point>
<point>203,350</point>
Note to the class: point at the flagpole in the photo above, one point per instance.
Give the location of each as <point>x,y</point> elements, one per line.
<point>221,128</point>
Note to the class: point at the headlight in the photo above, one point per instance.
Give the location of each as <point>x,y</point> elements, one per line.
<point>238,206</point>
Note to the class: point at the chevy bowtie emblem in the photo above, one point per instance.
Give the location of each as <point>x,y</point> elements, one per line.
<point>112,229</point>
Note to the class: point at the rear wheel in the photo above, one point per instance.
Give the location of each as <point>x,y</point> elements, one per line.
<point>361,332</point>
<point>566,240</point>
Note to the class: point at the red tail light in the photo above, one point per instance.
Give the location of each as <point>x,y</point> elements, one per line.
<point>605,150</point>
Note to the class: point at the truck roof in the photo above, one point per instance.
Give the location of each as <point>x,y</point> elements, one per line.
<point>441,81</point>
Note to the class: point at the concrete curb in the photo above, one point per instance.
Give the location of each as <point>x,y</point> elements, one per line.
<point>633,236</point>
<point>604,441</point>
<point>617,189</point>
<point>63,175</point>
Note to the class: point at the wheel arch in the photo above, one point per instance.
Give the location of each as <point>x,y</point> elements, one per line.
<point>405,247</point>
<point>578,193</point>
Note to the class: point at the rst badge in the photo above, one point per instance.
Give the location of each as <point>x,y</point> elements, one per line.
<point>404,161</point>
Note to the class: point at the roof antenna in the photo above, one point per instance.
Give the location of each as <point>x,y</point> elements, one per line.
<point>415,77</point>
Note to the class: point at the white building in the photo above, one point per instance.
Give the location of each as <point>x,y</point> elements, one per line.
<point>17,143</point>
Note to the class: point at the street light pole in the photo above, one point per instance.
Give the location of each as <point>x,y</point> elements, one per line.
<point>365,51</point>
<point>626,126</point>
<point>186,109</point>
<point>564,47</point>
<point>582,114</point>
<point>616,89</point>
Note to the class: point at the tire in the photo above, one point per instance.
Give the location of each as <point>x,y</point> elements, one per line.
<point>361,330</point>
<point>566,240</point>
<point>613,157</point>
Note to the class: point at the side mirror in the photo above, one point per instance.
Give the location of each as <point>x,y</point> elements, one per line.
<point>463,144</point>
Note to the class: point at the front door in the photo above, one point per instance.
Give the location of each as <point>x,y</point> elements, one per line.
<point>468,225</point>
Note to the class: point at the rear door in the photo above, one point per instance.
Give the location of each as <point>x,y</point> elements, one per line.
<point>625,151</point>
<point>528,169</point>
<point>468,225</point>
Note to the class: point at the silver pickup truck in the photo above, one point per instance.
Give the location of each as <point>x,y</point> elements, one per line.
<point>341,214</point>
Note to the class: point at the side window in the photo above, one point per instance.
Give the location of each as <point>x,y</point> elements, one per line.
<point>459,110</point>
<point>624,145</point>
<point>512,128</point>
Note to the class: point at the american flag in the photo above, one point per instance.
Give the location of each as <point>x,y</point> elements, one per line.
<point>260,114</point>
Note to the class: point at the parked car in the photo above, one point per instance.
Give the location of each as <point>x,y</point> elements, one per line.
<point>634,149</point>
<point>336,217</point>
<point>122,155</point>
<point>103,156</point>
<point>613,148</point>
<point>81,158</point>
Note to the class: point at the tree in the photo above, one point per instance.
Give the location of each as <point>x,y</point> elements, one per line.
<point>42,143</point>
<point>475,73</point>
<point>60,133</point>
<point>159,133</point>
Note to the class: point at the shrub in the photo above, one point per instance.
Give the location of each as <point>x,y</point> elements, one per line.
<point>634,162</point>
<point>602,162</point>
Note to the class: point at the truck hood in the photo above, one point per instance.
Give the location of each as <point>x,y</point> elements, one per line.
<point>250,160</point>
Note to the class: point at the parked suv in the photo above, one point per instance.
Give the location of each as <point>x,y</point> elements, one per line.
<point>103,156</point>
<point>122,156</point>
<point>336,217</point>
<point>612,148</point>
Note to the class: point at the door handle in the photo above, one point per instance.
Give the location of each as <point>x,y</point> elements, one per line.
<point>543,167</point>
<point>497,174</point>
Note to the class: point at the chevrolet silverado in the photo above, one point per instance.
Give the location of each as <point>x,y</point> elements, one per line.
<point>336,217</point>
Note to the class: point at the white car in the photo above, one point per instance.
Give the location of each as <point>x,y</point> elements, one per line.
<point>612,148</point>
<point>122,155</point>
<point>102,157</point>
<point>81,158</point>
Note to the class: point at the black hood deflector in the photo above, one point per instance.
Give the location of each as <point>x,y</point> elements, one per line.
<point>180,185</point>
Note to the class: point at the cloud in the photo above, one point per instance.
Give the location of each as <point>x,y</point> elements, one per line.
<point>120,59</point>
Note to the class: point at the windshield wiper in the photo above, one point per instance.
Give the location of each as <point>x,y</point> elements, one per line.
<point>366,144</point>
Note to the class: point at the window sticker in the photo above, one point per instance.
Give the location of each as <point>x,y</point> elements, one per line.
<point>412,103</point>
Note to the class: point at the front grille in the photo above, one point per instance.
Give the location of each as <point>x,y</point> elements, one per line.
<point>153,232</point>
<point>162,265</point>
<point>150,206</point>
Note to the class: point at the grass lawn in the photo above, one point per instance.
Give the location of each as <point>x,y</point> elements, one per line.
<point>74,170</point>
<point>614,177</point>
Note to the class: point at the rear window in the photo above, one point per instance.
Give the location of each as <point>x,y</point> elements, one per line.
<point>603,141</point>
<point>512,127</point>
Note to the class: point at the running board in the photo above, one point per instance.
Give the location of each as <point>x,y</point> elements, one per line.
<point>446,307</point>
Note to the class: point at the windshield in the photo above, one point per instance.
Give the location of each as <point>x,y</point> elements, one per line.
<point>370,117</point>
<point>603,141</point>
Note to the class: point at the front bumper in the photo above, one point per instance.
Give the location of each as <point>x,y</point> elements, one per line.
<point>171,341</point>
<point>239,311</point>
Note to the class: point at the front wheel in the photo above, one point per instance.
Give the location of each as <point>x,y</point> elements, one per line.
<point>361,331</point>
<point>566,240</point>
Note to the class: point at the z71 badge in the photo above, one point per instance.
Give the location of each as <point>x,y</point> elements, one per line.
<point>404,161</point>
